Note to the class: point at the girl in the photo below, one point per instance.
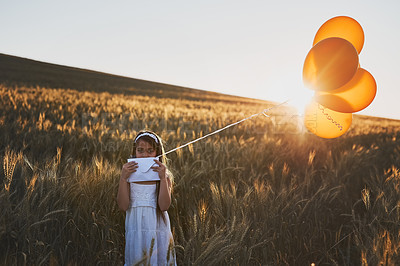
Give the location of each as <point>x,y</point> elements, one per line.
<point>147,227</point>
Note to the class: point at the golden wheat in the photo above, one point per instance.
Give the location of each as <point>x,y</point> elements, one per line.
<point>262,192</point>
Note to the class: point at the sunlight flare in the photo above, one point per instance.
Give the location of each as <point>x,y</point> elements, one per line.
<point>300,100</point>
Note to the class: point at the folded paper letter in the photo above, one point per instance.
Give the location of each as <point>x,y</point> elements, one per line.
<point>144,171</point>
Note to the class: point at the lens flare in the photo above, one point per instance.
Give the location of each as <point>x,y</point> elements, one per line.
<point>300,100</point>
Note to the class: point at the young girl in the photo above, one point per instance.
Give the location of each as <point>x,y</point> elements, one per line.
<point>147,227</point>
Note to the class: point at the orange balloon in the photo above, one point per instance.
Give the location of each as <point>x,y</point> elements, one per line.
<point>354,96</point>
<point>330,64</point>
<point>343,27</point>
<point>324,122</point>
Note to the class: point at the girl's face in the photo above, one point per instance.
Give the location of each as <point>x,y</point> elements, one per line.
<point>144,149</point>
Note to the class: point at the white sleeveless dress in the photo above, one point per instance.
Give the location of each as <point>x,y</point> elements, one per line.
<point>148,238</point>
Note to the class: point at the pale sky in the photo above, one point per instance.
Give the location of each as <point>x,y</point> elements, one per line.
<point>248,48</point>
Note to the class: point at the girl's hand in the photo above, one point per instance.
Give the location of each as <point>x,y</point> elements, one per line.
<point>161,169</point>
<point>128,169</point>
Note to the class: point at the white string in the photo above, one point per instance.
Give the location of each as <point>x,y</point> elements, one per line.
<point>264,112</point>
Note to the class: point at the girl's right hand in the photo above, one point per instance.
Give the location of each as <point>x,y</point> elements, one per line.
<point>128,169</point>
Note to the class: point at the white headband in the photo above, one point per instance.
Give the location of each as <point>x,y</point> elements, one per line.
<point>151,135</point>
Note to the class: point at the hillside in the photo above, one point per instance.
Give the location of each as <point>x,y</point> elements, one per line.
<point>26,72</point>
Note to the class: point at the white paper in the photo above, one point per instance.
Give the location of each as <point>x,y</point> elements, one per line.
<point>144,171</point>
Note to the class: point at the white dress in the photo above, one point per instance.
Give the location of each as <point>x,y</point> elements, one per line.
<point>142,227</point>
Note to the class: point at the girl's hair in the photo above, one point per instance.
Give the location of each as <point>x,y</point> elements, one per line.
<point>156,143</point>
<point>154,140</point>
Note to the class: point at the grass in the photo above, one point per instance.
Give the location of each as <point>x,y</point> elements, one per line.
<point>262,192</point>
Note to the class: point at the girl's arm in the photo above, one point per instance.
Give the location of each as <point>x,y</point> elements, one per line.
<point>164,197</point>
<point>123,187</point>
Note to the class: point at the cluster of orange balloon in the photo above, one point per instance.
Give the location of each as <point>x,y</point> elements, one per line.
<point>332,70</point>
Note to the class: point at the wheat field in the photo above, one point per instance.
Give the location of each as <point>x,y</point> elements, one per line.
<point>264,192</point>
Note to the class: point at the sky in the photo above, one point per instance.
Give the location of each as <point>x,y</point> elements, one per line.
<point>248,48</point>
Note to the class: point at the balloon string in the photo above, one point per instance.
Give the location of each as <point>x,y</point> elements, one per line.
<point>264,112</point>
<point>330,117</point>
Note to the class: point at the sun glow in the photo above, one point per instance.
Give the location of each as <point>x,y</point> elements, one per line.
<point>300,100</point>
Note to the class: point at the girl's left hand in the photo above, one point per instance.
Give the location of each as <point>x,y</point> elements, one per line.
<point>161,169</point>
